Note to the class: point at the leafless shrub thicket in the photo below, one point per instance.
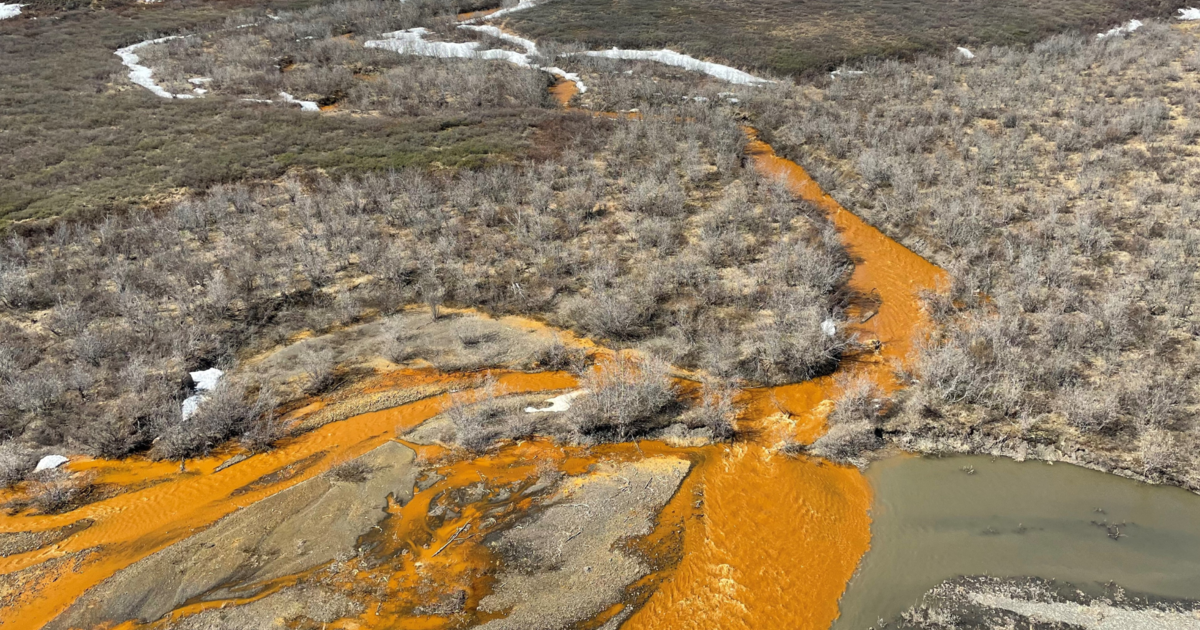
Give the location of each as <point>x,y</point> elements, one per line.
<point>1057,184</point>
<point>717,409</point>
<point>318,55</point>
<point>624,398</point>
<point>855,424</point>
<point>649,233</point>
<point>15,462</point>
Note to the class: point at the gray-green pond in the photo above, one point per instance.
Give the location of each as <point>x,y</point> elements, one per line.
<point>936,519</point>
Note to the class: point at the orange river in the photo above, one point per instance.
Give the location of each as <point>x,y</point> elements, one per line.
<point>768,540</point>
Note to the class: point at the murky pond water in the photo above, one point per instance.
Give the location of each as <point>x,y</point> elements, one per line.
<point>935,519</point>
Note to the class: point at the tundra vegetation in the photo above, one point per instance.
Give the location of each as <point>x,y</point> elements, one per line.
<point>318,55</point>
<point>788,37</point>
<point>1057,184</point>
<point>80,139</point>
<point>641,232</point>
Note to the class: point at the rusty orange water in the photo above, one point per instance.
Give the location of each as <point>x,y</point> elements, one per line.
<point>563,91</point>
<point>131,526</point>
<point>780,538</point>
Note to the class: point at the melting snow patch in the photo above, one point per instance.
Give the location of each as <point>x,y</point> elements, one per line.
<point>412,42</point>
<point>846,73</point>
<point>528,45</point>
<point>558,404</point>
<point>569,76</point>
<point>1189,14</point>
<point>1126,28</point>
<point>672,58</point>
<point>308,106</point>
<point>966,54</point>
<point>50,462</point>
<point>9,10</point>
<point>206,381</point>
<point>141,75</point>
<point>520,6</point>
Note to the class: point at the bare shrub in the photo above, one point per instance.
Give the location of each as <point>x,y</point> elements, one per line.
<point>557,355</point>
<point>318,371</point>
<point>53,491</point>
<point>479,417</point>
<point>854,423</point>
<point>15,463</point>
<point>625,397</point>
<point>717,410</point>
<point>229,409</point>
<point>353,471</point>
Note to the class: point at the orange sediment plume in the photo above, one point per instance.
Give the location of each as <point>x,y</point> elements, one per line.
<point>776,543</point>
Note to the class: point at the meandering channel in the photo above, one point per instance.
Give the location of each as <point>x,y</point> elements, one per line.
<point>768,540</point>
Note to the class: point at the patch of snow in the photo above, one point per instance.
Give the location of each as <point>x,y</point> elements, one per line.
<point>206,380</point>
<point>558,404</point>
<point>50,462</point>
<point>308,106</point>
<point>1124,29</point>
<point>412,42</point>
<point>1189,14</point>
<point>200,91</point>
<point>846,73</point>
<point>829,327</point>
<point>520,6</point>
<point>142,75</point>
<point>528,45</point>
<point>966,54</point>
<point>191,404</point>
<point>672,58</point>
<point>200,80</point>
<point>9,10</point>
<point>1094,616</point>
<point>569,76</point>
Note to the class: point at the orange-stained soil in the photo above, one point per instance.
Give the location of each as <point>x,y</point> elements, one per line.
<point>471,15</point>
<point>756,538</point>
<point>563,91</point>
<point>133,525</point>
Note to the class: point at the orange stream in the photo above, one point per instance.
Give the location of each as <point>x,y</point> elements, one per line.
<point>780,537</point>
<point>768,541</point>
<point>563,91</point>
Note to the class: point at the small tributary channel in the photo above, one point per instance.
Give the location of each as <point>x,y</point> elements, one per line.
<point>935,519</point>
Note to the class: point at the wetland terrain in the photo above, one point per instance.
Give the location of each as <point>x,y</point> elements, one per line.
<point>424,315</point>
